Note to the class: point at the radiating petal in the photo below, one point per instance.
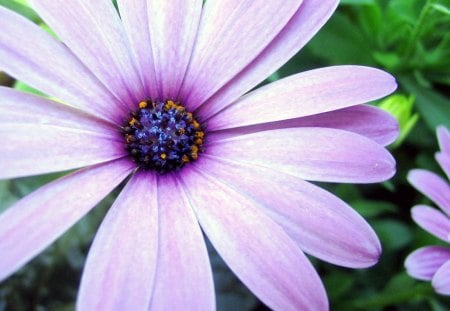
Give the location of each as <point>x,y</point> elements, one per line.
<point>183,278</point>
<point>44,63</point>
<point>120,267</point>
<point>444,162</point>
<point>364,120</point>
<point>33,223</point>
<point>231,34</point>
<point>443,136</point>
<point>322,225</point>
<point>319,154</point>
<point>135,22</point>
<point>308,19</point>
<point>433,186</point>
<point>173,28</point>
<point>441,280</point>
<point>254,247</point>
<point>432,221</point>
<point>94,32</point>
<point>41,136</point>
<point>423,263</point>
<point>306,93</point>
<point>23,108</point>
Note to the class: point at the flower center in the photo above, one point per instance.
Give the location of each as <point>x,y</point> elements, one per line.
<point>162,136</point>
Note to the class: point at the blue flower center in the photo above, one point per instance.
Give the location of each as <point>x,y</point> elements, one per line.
<point>162,136</point>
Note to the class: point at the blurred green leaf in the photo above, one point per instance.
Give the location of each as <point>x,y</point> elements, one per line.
<point>433,107</point>
<point>21,7</point>
<point>392,233</point>
<point>372,208</point>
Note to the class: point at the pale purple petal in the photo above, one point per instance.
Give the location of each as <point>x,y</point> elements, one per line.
<point>173,28</point>
<point>41,136</point>
<point>256,249</point>
<point>135,22</point>
<point>120,267</point>
<point>364,120</point>
<point>441,280</point>
<point>21,108</point>
<point>423,263</point>
<point>321,224</point>
<point>433,186</point>
<point>42,62</point>
<point>444,162</point>
<point>306,93</point>
<point>33,223</point>
<point>443,136</point>
<point>231,34</point>
<point>308,19</point>
<point>183,277</point>
<point>319,154</point>
<point>433,221</point>
<point>94,32</point>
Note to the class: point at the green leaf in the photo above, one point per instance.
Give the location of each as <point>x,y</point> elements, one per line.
<point>21,7</point>
<point>392,233</point>
<point>371,209</point>
<point>433,107</point>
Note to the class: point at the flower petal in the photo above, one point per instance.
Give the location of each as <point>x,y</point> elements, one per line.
<point>23,108</point>
<point>231,34</point>
<point>33,223</point>
<point>41,136</point>
<point>94,32</point>
<point>364,120</point>
<point>120,267</point>
<point>54,69</point>
<point>322,225</point>
<point>319,154</point>
<point>308,19</point>
<point>244,236</point>
<point>183,279</point>
<point>444,162</point>
<point>173,28</point>
<point>432,221</point>
<point>306,93</point>
<point>423,263</point>
<point>441,280</point>
<point>135,22</point>
<point>433,186</point>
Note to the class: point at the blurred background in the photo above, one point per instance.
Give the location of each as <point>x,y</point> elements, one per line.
<point>408,38</point>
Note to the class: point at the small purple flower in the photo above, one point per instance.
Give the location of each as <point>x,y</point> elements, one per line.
<point>433,262</point>
<point>157,96</point>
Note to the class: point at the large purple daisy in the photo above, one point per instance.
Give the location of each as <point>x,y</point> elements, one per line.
<point>432,263</point>
<point>157,96</point>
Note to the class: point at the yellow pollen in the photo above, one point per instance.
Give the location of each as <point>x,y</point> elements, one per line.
<point>132,121</point>
<point>199,141</point>
<point>143,105</point>
<point>185,159</point>
<point>194,155</point>
<point>199,135</point>
<point>196,124</point>
<point>163,156</point>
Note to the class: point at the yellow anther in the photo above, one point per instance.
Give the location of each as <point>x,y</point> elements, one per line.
<point>185,159</point>
<point>194,149</point>
<point>194,155</point>
<point>198,141</point>
<point>143,104</point>
<point>199,134</point>
<point>132,121</point>
<point>163,156</point>
<point>196,124</point>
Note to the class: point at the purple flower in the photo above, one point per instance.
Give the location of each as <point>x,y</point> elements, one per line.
<point>432,263</point>
<point>157,96</point>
